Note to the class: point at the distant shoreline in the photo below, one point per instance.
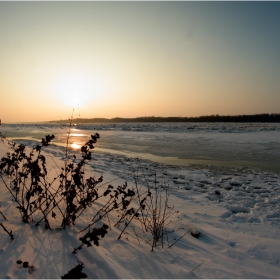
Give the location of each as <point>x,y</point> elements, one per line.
<point>211,118</point>
<point>261,118</point>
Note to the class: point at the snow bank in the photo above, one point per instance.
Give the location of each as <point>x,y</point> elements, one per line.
<point>235,210</point>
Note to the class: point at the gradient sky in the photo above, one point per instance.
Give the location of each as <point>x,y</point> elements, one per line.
<point>132,59</point>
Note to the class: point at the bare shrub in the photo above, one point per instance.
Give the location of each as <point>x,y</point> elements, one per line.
<point>153,216</point>
<point>65,197</point>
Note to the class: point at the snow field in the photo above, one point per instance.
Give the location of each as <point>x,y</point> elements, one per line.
<point>235,210</point>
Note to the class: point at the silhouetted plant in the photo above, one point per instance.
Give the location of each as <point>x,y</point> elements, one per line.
<point>27,173</point>
<point>77,191</point>
<point>94,236</point>
<point>153,211</point>
<point>75,273</point>
<point>118,200</point>
<point>71,192</point>
<point>157,215</point>
<point>64,197</point>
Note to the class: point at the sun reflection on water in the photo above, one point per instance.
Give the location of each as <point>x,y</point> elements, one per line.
<point>77,134</point>
<point>76,145</point>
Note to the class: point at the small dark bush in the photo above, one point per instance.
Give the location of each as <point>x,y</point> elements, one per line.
<point>75,273</point>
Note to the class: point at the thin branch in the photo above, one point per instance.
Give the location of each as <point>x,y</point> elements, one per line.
<point>178,240</point>
<point>3,215</point>
<point>9,232</point>
<point>197,266</point>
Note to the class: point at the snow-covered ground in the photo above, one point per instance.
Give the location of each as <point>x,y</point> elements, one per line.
<point>235,209</point>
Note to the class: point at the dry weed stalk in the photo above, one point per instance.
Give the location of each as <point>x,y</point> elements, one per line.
<point>153,213</point>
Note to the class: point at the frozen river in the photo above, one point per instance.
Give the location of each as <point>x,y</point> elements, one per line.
<point>226,144</point>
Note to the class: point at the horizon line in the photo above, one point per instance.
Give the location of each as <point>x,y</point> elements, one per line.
<point>150,118</point>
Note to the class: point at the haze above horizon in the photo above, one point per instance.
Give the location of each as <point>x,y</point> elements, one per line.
<point>132,59</point>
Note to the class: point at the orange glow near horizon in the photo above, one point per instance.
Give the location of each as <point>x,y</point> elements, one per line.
<point>186,59</point>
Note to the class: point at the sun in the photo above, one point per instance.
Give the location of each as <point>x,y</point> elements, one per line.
<point>76,88</point>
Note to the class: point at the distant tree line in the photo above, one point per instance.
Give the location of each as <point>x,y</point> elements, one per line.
<point>211,118</point>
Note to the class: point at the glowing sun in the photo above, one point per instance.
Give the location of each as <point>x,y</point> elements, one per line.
<point>75,89</point>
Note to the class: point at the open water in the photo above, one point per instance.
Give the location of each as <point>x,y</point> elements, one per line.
<point>225,144</point>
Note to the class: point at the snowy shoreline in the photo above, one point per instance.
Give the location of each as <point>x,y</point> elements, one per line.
<point>235,209</point>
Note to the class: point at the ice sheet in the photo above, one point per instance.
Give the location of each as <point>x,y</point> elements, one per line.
<point>231,144</point>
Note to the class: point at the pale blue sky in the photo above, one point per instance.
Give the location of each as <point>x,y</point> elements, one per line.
<point>132,59</point>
